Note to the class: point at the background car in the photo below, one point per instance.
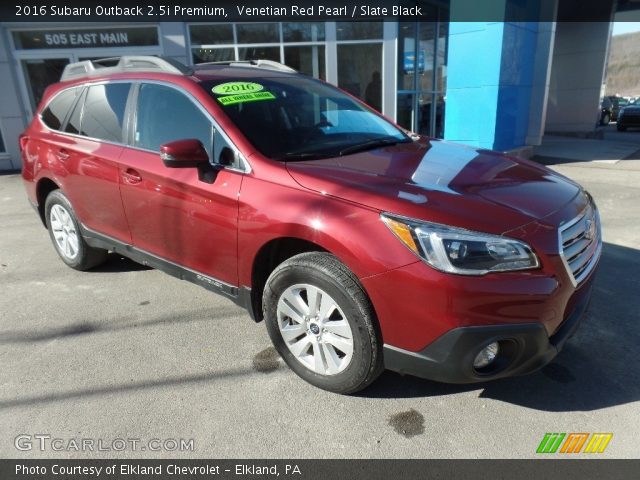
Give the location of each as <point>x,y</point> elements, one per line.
<point>610,108</point>
<point>617,103</point>
<point>629,116</point>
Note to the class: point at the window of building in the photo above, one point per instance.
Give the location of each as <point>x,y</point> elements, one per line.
<point>257,33</point>
<point>299,45</point>
<point>309,59</point>
<point>40,73</point>
<point>360,72</point>
<point>206,55</point>
<point>302,32</point>
<point>54,115</point>
<point>260,52</point>
<point>360,60</point>
<point>422,60</point>
<point>220,34</point>
<point>103,113</point>
<point>164,115</point>
<point>358,30</point>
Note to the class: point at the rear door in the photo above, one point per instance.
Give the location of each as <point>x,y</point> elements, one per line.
<point>171,212</point>
<point>91,152</point>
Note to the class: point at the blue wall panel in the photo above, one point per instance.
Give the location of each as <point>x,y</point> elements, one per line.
<point>489,82</point>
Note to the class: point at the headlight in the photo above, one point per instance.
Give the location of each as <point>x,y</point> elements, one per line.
<point>620,112</point>
<point>456,250</point>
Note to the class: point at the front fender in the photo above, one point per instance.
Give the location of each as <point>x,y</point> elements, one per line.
<point>353,233</point>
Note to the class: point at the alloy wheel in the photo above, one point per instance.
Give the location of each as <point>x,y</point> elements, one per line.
<point>315,329</point>
<point>64,231</point>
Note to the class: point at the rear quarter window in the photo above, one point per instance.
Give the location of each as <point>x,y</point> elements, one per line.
<point>53,116</point>
<point>73,124</point>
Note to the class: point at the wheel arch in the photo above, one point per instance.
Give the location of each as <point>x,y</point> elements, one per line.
<point>267,258</point>
<point>43,188</point>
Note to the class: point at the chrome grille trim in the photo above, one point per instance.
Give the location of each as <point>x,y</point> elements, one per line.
<point>580,246</point>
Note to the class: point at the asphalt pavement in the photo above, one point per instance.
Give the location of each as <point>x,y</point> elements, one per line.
<point>126,352</point>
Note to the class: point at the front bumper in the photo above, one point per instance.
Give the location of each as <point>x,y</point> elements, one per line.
<point>525,348</point>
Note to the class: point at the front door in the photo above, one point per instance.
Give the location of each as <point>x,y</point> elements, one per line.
<point>171,213</point>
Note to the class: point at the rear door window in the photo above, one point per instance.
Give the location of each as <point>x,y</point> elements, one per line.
<point>53,116</point>
<point>104,109</point>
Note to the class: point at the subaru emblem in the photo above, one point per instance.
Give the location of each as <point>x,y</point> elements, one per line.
<point>588,229</point>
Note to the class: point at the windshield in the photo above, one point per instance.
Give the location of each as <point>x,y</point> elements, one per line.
<point>298,118</point>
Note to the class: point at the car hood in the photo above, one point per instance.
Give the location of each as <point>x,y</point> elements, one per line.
<point>441,182</point>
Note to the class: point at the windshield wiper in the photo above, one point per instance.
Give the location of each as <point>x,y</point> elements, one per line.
<point>371,144</point>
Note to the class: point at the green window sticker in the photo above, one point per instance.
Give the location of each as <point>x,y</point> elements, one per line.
<point>245,97</point>
<point>234,88</point>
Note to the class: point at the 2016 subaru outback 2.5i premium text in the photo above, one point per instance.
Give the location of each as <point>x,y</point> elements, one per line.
<point>361,246</point>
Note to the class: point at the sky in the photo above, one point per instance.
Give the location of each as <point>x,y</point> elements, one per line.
<point>625,27</point>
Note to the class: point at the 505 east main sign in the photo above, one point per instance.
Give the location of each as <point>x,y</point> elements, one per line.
<point>86,38</point>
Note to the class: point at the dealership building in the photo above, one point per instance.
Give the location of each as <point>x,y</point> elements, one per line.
<point>496,85</point>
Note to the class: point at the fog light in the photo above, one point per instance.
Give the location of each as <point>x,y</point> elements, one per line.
<point>487,355</point>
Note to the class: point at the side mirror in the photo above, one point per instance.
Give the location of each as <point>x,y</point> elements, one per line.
<point>187,153</point>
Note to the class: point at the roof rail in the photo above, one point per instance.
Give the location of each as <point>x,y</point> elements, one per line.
<point>104,66</point>
<point>267,64</point>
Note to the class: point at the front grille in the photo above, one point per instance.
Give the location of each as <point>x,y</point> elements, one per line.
<point>581,243</point>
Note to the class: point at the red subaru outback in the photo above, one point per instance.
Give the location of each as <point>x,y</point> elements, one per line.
<point>362,247</point>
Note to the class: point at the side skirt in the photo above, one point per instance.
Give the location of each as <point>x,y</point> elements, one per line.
<point>240,296</point>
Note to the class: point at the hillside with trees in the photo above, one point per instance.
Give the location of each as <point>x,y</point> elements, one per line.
<point>623,72</point>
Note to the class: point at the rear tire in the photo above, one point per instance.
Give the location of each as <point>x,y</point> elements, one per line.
<point>322,323</point>
<point>66,236</point>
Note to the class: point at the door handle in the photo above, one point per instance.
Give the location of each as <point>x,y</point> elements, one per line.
<point>131,176</point>
<point>63,154</point>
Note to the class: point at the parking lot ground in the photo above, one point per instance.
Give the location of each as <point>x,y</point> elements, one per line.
<point>128,352</point>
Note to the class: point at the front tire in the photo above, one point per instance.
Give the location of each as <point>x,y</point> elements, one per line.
<point>621,128</point>
<point>64,230</point>
<point>322,323</point>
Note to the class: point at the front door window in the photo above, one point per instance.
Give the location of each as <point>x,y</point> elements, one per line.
<point>165,115</point>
